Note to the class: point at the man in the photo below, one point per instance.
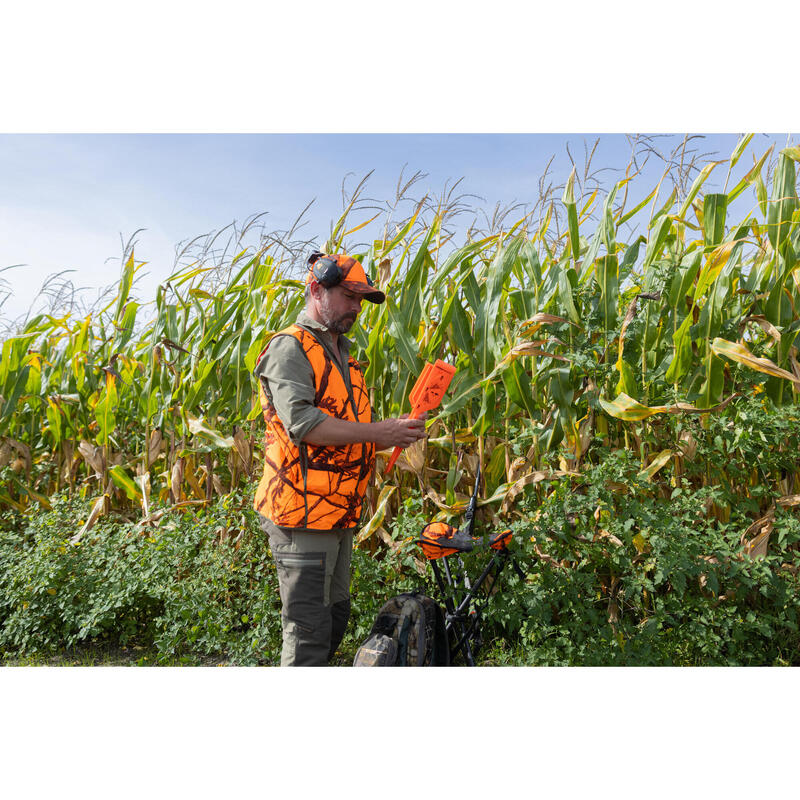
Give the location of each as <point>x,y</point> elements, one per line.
<point>319,456</point>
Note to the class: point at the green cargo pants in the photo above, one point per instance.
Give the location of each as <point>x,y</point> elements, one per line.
<point>314,584</point>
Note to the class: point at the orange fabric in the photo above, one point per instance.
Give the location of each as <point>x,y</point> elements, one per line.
<point>500,541</point>
<point>353,275</point>
<point>433,540</point>
<point>316,487</point>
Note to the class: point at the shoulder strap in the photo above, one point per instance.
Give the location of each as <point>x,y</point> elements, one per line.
<point>402,642</point>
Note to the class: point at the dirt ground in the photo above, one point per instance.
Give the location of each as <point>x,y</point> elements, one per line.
<point>108,656</point>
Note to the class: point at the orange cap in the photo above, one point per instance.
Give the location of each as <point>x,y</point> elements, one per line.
<point>354,278</point>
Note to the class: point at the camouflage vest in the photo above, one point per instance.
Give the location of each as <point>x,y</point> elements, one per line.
<point>316,487</point>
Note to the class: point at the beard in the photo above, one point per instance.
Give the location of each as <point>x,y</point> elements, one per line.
<point>336,324</point>
<point>341,324</point>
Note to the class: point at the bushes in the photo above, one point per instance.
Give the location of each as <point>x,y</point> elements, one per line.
<point>623,576</point>
<point>175,587</point>
<point>618,572</point>
<point>200,583</point>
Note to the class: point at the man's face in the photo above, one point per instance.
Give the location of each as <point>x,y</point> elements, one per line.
<point>338,308</point>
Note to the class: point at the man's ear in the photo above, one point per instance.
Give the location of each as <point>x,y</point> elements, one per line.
<point>314,289</point>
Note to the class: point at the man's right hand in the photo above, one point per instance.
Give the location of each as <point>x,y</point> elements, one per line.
<point>398,432</point>
<point>393,432</point>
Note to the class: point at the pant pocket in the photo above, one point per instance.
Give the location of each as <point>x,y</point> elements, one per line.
<point>302,583</point>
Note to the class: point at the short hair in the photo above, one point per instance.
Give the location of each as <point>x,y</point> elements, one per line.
<point>307,291</point>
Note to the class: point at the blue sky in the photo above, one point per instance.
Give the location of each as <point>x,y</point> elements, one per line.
<point>70,198</point>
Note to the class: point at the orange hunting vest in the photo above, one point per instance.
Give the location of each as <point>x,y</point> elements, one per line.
<point>316,487</point>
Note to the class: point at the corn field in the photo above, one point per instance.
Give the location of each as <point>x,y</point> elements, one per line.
<point>564,334</point>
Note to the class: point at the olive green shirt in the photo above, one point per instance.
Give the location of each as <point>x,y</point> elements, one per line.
<point>288,379</point>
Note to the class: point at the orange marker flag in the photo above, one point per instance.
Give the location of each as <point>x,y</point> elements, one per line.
<point>426,395</point>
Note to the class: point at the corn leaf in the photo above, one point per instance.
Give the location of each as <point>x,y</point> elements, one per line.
<point>626,408</point>
<point>741,354</point>
<point>568,199</point>
<point>199,427</point>
<point>380,514</point>
<point>661,460</point>
<point>125,482</point>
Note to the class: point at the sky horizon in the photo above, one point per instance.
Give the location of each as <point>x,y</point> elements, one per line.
<point>77,198</point>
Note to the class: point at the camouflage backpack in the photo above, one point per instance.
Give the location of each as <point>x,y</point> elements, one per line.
<point>408,632</point>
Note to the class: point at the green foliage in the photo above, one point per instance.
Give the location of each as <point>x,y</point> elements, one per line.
<point>175,586</point>
<point>614,576</point>
<point>745,446</point>
<point>632,578</point>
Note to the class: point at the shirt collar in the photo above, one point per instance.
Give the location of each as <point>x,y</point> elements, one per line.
<point>308,322</point>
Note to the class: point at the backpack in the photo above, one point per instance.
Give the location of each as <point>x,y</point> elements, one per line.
<point>408,632</point>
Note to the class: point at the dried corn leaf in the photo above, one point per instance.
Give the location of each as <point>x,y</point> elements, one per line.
<point>194,483</point>
<point>154,446</point>
<point>626,408</point>
<point>516,468</point>
<point>688,446</point>
<point>458,506</point>
<point>740,353</point>
<point>756,538</point>
<point>548,559</point>
<point>794,362</point>
<point>604,534</point>
<point>377,518</point>
<point>5,453</point>
<point>143,481</point>
<point>529,349</point>
<point>629,316</point>
<point>24,451</point>
<point>93,456</point>
<point>412,458</point>
<point>241,445</point>
<point>544,319</point>
<point>176,479</point>
<point>762,323</point>
<point>656,464</point>
<point>98,509</point>
<point>386,538</point>
<point>384,271</point>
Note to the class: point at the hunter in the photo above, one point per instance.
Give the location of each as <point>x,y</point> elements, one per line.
<point>319,456</point>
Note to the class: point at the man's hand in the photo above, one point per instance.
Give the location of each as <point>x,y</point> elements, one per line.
<point>399,432</point>
<point>393,432</point>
